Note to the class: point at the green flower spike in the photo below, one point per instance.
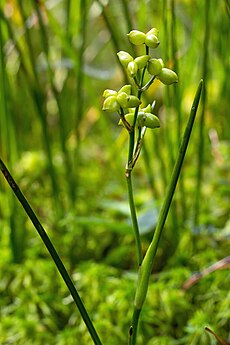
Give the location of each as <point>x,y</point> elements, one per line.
<point>167,76</point>
<point>155,66</point>
<point>136,37</point>
<point>125,58</point>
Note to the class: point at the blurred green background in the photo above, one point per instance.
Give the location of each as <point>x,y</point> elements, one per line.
<point>68,157</point>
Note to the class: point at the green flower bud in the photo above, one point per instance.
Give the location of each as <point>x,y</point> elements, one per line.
<point>127,101</point>
<point>152,41</point>
<point>155,66</point>
<point>126,88</point>
<point>147,109</point>
<point>129,118</point>
<point>136,37</point>
<point>142,61</point>
<point>148,120</point>
<point>153,31</point>
<point>167,76</point>
<point>125,58</point>
<point>108,93</point>
<point>111,104</point>
<point>133,102</point>
<point>132,69</point>
<point>122,99</point>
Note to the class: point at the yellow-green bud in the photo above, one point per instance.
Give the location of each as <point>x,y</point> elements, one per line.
<point>125,58</point>
<point>142,61</point>
<point>122,99</point>
<point>133,102</point>
<point>152,41</point>
<point>129,118</point>
<point>155,66</point>
<point>108,93</point>
<point>111,104</point>
<point>167,76</point>
<point>148,120</point>
<point>126,88</point>
<point>153,31</point>
<point>132,69</point>
<point>136,37</point>
<point>147,109</point>
<point>127,101</point>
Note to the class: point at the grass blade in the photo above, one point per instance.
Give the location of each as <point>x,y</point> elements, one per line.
<point>58,262</point>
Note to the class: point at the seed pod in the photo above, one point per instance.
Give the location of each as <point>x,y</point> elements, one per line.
<point>148,120</point>
<point>111,104</point>
<point>132,69</point>
<point>125,58</point>
<point>126,88</point>
<point>153,31</point>
<point>152,41</point>
<point>108,93</point>
<point>155,66</point>
<point>136,37</point>
<point>142,61</point>
<point>167,76</point>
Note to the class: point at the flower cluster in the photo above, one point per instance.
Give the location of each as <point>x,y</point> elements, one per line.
<point>154,66</point>
<point>122,101</point>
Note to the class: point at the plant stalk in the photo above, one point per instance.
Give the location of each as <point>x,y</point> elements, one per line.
<point>58,262</point>
<point>134,216</point>
<point>147,263</point>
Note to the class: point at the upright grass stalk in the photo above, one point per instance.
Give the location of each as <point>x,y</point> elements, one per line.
<point>147,263</point>
<point>107,18</point>
<point>62,130</point>
<point>8,147</point>
<point>52,251</point>
<point>177,102</point>
<point>80,65</point>
<point>200,159</point>
<point>167,132</point>
<point>39,100</point>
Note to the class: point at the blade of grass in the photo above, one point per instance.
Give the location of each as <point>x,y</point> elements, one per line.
<point>8,147</point>
<point>200,160</point>
<point>52,251</point>
<point>147,263</point>
<point>39,101</point>
<point>62,127</point>
<point>177,103</point>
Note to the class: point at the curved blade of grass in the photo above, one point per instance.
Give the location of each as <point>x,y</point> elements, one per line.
<point>47,242</point>
<point>147,263</point>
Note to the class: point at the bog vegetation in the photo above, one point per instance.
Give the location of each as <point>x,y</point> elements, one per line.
<point>68,157</point>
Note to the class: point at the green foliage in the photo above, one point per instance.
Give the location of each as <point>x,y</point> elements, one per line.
<point>67,157</point>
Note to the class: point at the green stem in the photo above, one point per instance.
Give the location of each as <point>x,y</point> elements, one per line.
<point>134,216</point>
<point>200,161</point>
<point>133,329</point>
<point>67,162</point>
<point>147,263</point>
<point>59,264</point>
